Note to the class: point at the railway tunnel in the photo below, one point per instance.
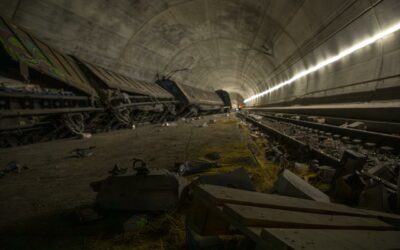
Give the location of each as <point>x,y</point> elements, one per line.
<point>199,124</point>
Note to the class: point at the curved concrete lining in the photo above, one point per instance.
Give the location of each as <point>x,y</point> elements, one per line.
<point>244,46</point>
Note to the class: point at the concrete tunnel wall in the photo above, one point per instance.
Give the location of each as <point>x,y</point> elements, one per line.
<point>238,45</point>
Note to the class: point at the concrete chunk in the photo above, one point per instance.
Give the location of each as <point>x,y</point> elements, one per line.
<point>290,184</point>
<point>159,190</point>
<point>375,198</point>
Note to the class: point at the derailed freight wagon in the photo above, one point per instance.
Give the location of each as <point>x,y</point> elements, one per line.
<point>224,95</point>
<point>232,100</point>
<point>237,100</point>
<point>192,101</point>
<point>43,93</point>
<point>130,101</point>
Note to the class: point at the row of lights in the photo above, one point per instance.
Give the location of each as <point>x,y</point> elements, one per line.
<point>330,60</point>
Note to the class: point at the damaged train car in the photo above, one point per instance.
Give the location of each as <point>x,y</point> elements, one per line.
<point>42,91</point>
<point>130,101</point>
<point>46,94</point>
<point>192,101</point>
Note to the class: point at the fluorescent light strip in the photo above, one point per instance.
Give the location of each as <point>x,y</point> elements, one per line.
<point>330,60</point>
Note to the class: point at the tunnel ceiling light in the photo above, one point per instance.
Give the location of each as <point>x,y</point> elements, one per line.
<point>330,60</point>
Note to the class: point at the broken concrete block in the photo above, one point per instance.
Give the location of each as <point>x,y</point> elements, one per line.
<point>326,173</point>
<point>290,184</point>
<point>348,188</point>
<point>135,223</point>
<point>351,162</point>
<point>159,190</point>
<point>375,198</point>
<point>238,178</point>
<point>381,171</point>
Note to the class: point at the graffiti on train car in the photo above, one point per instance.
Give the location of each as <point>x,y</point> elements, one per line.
<point>27,52</point>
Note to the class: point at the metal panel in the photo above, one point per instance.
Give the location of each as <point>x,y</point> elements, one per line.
<point>200,96</point>
<point>21,46</point>
<point>124,83</point>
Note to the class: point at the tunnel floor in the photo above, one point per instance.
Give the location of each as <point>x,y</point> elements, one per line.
<point>41,199</point>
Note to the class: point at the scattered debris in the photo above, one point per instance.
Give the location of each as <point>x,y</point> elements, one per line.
<point>295,117</point>
<point>314,165</point>
<point>351,161</point>
<point>348,188</point>
<point>375,198</point>
<point>290,184</point>
<point>256,117</point>
<point>194,167</point>
<point>238,178</point>
<point>203,125</point>
<point>84,152</point>
<point>169,124</point>
<point>12,167</point>
<point>286,222</point>
<point>117,170</point>
<point>213,156</point>
<point>159,190</point>
<point>140,167</point>
<point>355,125</point>
<point>326,174</point>
<point>382,171</point>
<point>85,135</point>
<point>136,223</point>
<point>301,168</point>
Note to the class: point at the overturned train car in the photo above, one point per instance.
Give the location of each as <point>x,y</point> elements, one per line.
<point>129,101</point>
<point>45,94</point>
<point>232,100</point>
<point>192,101</point>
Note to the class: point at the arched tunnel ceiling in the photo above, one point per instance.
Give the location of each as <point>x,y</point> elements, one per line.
<point>232,44</point>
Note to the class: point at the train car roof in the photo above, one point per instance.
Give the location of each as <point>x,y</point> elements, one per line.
<point>118,81</point>
<point>200,96</point>
<point>23,47</point>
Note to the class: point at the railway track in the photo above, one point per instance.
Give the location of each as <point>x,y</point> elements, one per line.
<point>333,145</point>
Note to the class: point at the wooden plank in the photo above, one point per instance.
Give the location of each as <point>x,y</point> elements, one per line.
<point>302,239</point>
<point>220,195</point>
<point>277,218</point>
